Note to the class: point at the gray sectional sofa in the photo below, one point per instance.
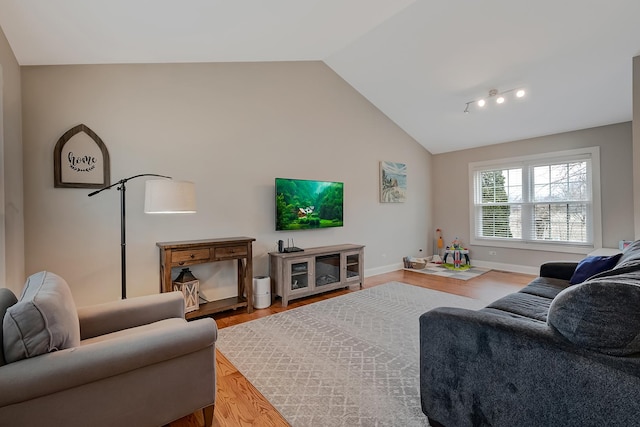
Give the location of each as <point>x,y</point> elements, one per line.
<point>553,354</point>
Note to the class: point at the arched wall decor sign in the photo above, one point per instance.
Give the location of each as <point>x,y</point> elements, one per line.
<point>80,160</point>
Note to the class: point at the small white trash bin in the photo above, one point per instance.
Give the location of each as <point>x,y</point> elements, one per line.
<point>261,292</point>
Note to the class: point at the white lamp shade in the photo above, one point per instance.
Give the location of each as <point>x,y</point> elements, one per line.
<point>169,196</point>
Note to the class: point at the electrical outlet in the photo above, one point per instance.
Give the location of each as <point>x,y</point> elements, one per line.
<point>492,253</point>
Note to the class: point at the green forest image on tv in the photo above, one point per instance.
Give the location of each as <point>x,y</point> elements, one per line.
<point>306,204</point>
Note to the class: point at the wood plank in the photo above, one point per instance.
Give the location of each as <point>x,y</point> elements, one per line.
<point>217,306</point>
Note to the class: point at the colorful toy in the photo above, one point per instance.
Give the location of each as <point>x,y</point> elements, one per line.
<point>437,248</point>
<point>457,250</point>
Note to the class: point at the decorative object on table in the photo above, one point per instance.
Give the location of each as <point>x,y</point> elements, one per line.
<point>161,196</point>
<point>80,160</point>
<point>190,288</point>
<point>393,182</point>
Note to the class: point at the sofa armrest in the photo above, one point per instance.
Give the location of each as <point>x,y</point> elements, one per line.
<point>480,368</point>
<point>115,316</point>
<point>62,370</point>
<point>558,270</point>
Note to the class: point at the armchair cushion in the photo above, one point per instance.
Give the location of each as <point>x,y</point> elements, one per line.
<point>43,320</point>
<point>102,319</point>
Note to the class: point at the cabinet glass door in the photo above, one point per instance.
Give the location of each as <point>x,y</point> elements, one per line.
<point>327,269</point>
<point>299,275</point>
<point>352,266</point>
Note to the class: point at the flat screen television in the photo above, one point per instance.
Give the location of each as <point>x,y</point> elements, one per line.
<point>303,204</point>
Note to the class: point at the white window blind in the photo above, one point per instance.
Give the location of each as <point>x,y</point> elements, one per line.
<point>550,199</point>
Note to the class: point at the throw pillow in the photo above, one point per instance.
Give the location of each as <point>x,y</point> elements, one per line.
<point>600,314</point>
<point>593,265</point>
<point>44,319</point>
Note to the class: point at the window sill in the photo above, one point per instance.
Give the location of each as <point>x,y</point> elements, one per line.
<point>544,247</point>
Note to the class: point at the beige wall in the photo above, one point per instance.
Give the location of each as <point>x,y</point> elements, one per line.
<point>12,266</point>
<point>451,190</point>
<point>230,128</point>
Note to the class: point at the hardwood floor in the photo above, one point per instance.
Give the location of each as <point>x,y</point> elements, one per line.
<point>238,403</point>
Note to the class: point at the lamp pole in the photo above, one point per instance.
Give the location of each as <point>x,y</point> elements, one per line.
<point>123,238</point>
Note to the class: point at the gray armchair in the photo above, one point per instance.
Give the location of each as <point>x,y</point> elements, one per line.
<point>135,362</point>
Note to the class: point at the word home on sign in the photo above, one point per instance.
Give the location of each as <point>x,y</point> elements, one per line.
<point>81,163</point>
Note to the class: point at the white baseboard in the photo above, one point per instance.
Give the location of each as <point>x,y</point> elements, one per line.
<point>524,269</point>
<point>514,268</point>
<point>383,269</point>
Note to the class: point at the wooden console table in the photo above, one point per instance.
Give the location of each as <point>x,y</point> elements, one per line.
<point>191,252</point>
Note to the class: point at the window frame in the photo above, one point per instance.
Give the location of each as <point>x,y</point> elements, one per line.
<point>525,163</point>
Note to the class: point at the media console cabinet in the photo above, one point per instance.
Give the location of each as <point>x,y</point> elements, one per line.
<point>315,270</point>
<point>190,252</point>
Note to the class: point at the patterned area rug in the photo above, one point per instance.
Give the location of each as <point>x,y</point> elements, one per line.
<point>351,360</point>
<point>439,270</point>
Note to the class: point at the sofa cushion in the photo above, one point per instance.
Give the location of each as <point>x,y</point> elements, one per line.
<point>44,319</point>
<point>601,314</point>
<point>526,305</point>
<point>593,265</point>
<point>545,287</point>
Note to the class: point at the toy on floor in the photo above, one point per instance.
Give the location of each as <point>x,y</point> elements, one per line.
<point>436,259</point>
<point>457,251</point>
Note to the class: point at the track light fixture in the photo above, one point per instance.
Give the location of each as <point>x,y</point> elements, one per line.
<point>494,95</point>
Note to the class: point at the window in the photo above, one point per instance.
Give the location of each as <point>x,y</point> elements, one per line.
<point>547,202</point>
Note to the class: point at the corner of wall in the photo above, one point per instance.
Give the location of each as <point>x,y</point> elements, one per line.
<point>635,131</point>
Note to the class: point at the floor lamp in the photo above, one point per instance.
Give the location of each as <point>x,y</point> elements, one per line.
<point>161,196</point>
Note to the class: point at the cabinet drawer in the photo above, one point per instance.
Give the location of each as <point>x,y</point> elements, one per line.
<point>230,252</point>
<point>183,257</point>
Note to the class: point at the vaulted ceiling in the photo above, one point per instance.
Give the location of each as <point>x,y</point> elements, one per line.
<point>418,61</point>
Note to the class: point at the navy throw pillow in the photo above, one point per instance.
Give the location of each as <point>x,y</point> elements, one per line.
<point>593,265</point>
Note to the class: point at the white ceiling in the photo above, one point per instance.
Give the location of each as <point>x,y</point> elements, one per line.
<point>418,61</point>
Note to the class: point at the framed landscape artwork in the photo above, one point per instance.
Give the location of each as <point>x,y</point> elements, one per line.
<point>393,182</point>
